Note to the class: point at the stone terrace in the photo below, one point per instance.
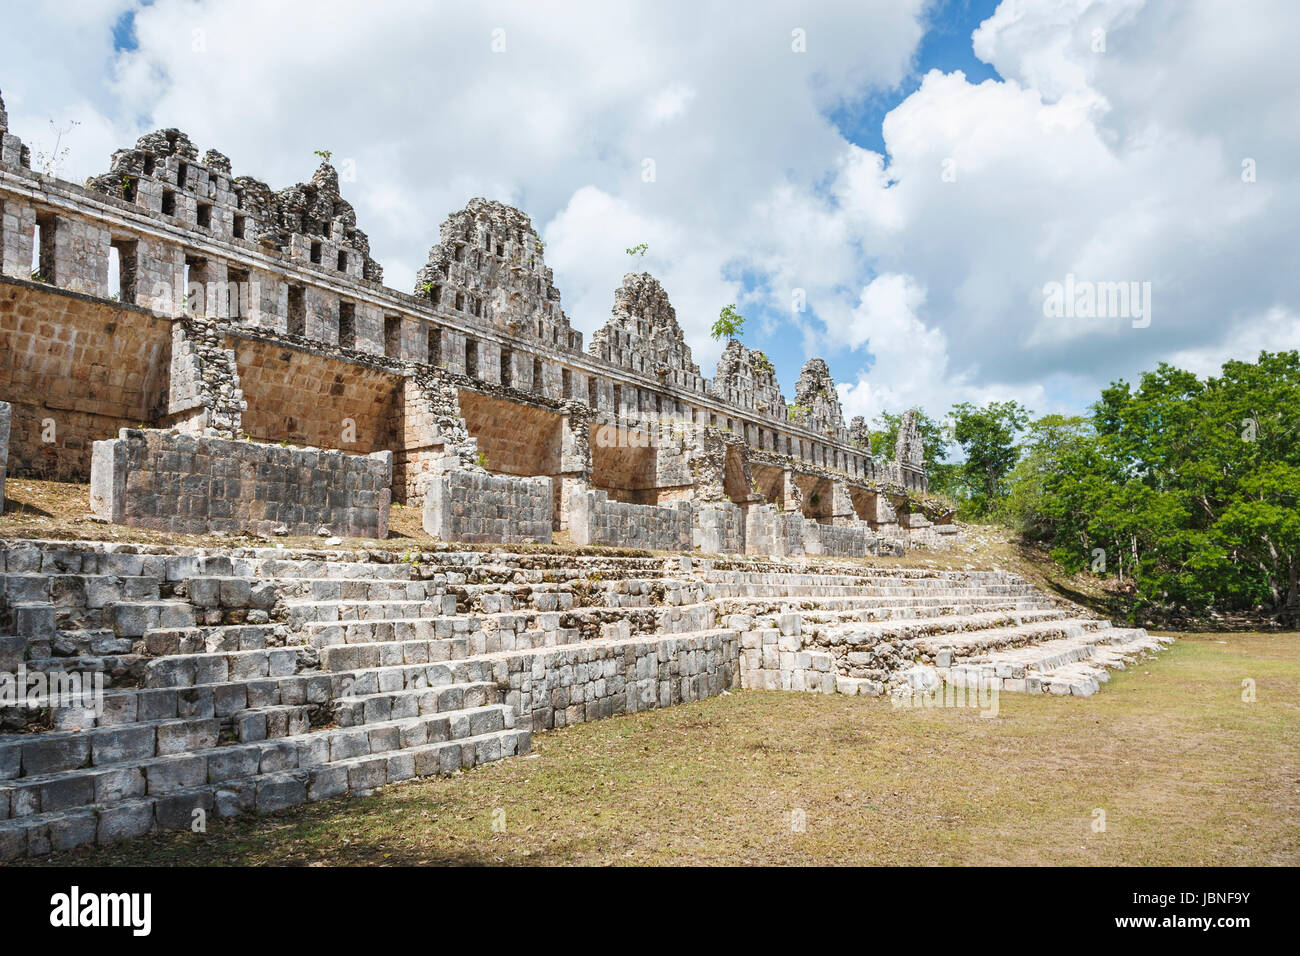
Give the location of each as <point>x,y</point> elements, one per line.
<point>256,679</point>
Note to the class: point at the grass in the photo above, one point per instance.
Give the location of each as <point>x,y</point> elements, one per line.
<point>1186,772</point>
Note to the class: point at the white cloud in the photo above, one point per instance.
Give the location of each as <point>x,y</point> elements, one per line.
<point>1122,164</point>
<point>670,103</point>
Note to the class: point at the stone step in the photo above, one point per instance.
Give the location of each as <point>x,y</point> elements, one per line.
<point>948,647</point>
<point>82,590</point>
<point>890,611</point>
<point>134,776</point>
<point>210,639</point>
<point>1071,665</point>
<point>133,619</point>
<point>924,632</point>
<point>797,591</point>
<point>61,830</point>
<point>391,705</point>
<point>831,607</point>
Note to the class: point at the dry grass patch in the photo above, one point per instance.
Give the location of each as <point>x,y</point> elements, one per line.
<point>1186,772</point>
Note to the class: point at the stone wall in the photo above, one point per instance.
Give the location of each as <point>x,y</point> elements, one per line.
<point>243,310</point>
<point>774,532</point>
<point>643,334</point>
<point>719,528</point>
<point>623,674</point>
<point>168,481</point>
<point>308,397</point>
<point>595,519</point>
<point>472,505</point>
<point>838,541</point>
<point>76,370</point>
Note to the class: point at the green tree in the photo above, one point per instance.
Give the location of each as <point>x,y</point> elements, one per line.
<point>988,437</point>
<point>1190,488</point>
<point>1026,507</point>
<point>729,323</point>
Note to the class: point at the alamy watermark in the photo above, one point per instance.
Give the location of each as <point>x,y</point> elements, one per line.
<point>1085,299</point>
<point>35,690</point>
<point>928,689</point>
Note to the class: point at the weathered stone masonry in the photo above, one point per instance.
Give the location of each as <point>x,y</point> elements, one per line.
<point>197,485</point>
<point>244,312</point>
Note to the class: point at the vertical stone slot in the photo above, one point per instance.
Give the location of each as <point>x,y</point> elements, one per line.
<point>297,310</point>
<point>435,346</point>
<point>471,357</point>
<point>393,336</point>
<point>347,325</point>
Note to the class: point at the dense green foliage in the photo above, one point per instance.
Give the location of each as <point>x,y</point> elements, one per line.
<point>729,323</point>
<point>1184,490</point>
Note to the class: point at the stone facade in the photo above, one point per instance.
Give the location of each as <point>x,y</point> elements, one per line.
<point>239,311</point>
<point>167,481</point>
<point>642,334</point>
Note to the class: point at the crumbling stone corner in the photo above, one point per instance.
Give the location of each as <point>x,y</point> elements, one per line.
<point>6,413</point>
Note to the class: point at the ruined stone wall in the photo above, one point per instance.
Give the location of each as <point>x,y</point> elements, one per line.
<point>642,334</point>
<point>838,541</point>
<point>559,688</point>
<point>746,379</point>
<point>769,531</point>
<point>204,393</point>
<point>167,481</point>
<point>75,370</point>
<point>719,528</point>
<point>472,505</point>
<point>278,327</point>
<point>488,263</point>
<point>818,406</point>
<point>595,519</point>
<point>313,398</point>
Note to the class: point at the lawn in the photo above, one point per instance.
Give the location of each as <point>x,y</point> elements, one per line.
<point>1185,770</point>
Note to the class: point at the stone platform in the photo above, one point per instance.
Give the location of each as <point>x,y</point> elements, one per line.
<point>255,679</point>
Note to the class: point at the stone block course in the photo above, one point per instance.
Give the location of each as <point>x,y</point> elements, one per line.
<point>172,482</point>
<point>595,519</point>
<point>470,505</point>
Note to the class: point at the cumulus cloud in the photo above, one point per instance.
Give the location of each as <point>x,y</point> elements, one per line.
<point>1111,148</point>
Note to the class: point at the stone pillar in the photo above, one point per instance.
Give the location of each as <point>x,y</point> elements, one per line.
<point>16,236</point>
<point>575,460</point>
<point>6,414</point>
<point>842,512</point>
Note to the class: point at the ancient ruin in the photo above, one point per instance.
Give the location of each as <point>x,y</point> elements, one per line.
<point>245,370</point>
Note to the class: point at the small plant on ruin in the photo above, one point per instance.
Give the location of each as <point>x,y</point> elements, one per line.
<point>324,154</point>
<point>482,461</point>
<point>49,163</point>
<point>639,249</point>
<point>729,323</point>
<point>762,364</point>
<point>797,412</point>
<point>37,277</point>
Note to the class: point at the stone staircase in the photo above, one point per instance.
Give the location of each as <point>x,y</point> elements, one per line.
<point>258,679</point>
